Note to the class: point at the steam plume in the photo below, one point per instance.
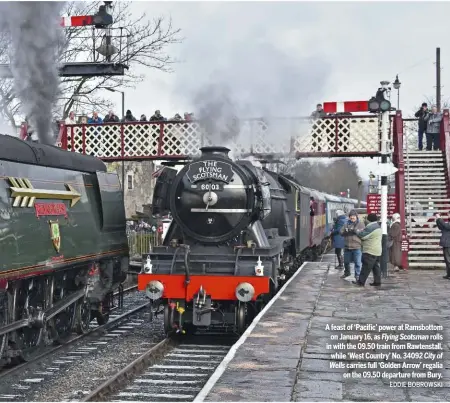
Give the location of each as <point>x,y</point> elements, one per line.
<point>254,80</point>
<point>35,35</point>
<point>217,113</point>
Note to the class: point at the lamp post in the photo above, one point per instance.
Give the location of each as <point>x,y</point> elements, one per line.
<point>123,114</point>
<point>397,85</point>
<point>123,97</point>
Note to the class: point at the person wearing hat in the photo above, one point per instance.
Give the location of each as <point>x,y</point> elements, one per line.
<point>338,239</point>
<point>129,117</point>
<point>371,251</point>
<point>352,251</point>
<point>422,114</point>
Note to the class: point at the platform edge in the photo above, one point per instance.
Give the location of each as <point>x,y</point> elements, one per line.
<point>224,364</point>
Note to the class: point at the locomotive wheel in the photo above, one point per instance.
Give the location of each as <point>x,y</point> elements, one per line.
<point>240,318</point>
<point>3,321</point>
<point>64,321</point>
<point>29,296</point>
<point>82,317</point>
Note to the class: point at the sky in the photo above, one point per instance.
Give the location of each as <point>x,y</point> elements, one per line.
<point>287,56</point>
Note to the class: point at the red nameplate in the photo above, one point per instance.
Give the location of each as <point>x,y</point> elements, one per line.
<point>46,209</point>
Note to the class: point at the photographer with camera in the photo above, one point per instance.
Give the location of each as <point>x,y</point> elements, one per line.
<point>422,114</point>
<point>352,251</point>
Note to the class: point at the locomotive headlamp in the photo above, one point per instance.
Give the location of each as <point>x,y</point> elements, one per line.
<point>245,292</point>
<point>148,267</point>
<point>259,268</point>
<point>154,290</point>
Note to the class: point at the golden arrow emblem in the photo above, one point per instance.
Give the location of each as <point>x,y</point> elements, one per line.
<point>25,194</point>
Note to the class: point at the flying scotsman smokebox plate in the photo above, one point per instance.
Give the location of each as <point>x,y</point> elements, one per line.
<point>210,170</point>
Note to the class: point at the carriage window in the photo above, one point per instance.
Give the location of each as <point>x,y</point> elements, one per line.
<point>297,200</point>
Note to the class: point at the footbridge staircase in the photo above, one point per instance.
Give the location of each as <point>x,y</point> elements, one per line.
<point>427,193</point>
<point>421,181</point>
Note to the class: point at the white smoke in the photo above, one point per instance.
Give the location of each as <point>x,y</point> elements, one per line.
<point>35,35</point>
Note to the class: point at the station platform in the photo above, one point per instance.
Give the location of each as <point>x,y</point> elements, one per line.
<point>283,355</point>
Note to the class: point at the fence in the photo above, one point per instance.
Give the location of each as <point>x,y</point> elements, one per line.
<point>142,242</point>
<point>332,135</point>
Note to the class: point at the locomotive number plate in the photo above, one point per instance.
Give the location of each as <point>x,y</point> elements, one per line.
<point>213,186</point>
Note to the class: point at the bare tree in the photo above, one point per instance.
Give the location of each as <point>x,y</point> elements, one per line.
<point>430,100</point>
<point>142,42</point>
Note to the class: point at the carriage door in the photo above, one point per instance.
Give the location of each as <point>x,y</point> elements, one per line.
<point>297,220</point>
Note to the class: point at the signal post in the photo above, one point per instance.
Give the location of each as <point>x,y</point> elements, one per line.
<point>380,105</point>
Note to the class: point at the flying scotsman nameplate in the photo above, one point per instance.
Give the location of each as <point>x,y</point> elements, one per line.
<point>210,170</point>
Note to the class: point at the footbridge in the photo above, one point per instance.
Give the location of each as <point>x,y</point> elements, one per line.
<point>421,181</point>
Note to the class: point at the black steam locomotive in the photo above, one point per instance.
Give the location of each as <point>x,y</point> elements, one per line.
<point>233,239</point>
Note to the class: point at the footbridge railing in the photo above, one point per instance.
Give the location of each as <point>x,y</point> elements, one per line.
<point>350,136</point>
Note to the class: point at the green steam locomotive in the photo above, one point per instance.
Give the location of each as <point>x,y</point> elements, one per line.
<point>63,244</point>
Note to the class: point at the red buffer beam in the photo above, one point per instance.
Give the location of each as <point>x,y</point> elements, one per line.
<point>77,21</point>
<point>349,106</point>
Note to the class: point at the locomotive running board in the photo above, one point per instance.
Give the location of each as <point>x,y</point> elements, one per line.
<point>220,210</point>
<point>43,317</point>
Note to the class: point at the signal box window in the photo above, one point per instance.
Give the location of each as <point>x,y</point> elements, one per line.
<point>130,182</point>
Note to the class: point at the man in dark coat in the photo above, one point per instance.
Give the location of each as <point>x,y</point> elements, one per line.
<point>111,117</point>
<point>422,114</point>
<point>129,117</point>
<point>338,239</point>
<point>444,242</point>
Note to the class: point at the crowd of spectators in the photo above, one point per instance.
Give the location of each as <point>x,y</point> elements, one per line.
<point>111,117</point>
<point>28,133</point>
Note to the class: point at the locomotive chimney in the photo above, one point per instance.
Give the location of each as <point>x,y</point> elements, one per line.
<point>215,150</point>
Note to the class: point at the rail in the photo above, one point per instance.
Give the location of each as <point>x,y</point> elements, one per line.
<point>139,365</point>
<point>110,324</point>
<point>332,135</point>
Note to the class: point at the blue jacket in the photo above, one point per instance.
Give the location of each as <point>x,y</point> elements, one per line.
<point>338,239</point>
<point>91,120</point>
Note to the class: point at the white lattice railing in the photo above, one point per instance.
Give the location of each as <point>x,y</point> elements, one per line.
<point>410,134</point>
<point>355,135</point>
<point>340,135</point>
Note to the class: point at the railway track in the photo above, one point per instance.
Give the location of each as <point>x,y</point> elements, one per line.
<point>175,369</point>
<point>115,320</point>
